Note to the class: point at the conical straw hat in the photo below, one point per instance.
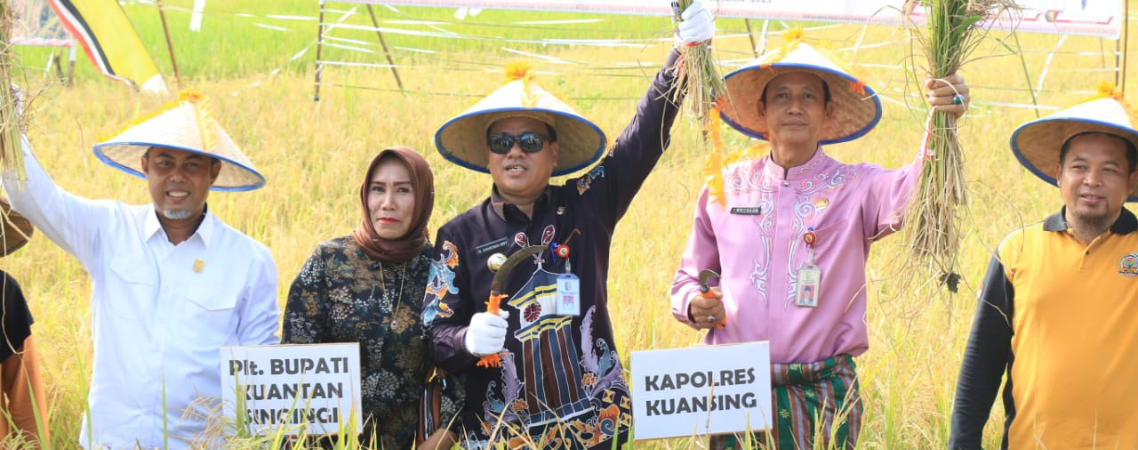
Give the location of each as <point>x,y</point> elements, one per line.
<point>16,229</point>
<point>186,124</point>
<point>1037,143</point>
<point>856,107</point>
<point>462,139</point>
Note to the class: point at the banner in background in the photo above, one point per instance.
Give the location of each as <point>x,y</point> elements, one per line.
<point>110,41</point>
<point>1101,18</point>
<point>37,25</point>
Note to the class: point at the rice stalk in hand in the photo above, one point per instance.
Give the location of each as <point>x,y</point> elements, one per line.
<point>698,81</point>
<point>10,120</point>
<point>954,29</point>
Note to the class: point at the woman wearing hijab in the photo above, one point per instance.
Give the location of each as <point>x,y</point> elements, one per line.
<point>368,287</point>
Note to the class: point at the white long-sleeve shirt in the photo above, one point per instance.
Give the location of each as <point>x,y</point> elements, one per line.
<point>160,312</point>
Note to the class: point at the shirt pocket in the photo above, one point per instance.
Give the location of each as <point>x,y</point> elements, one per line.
<point>829,238</point>
<point>131,288</point>
<point>210,317</point>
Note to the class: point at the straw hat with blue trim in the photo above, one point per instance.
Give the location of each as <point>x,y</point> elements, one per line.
<point>856,107</point>
<point>462,139</point>
<point>1036,144</point>
<point>185,124</point>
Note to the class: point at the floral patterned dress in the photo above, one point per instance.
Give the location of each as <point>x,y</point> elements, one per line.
<point>341,295</point>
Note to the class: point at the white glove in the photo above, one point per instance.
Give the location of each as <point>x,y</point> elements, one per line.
<point>486,334</point>
<point>697,26</point>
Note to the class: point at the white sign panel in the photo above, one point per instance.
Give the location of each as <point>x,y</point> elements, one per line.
<point>289,387</point>
<point>1102,18</point>
<point>701,390</point>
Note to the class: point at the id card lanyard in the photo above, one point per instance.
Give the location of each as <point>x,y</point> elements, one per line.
<point>809,275</point>
<point>568,285</point>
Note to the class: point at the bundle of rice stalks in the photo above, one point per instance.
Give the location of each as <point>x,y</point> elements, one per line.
<point>10,120</point>
<point>955,29</point>
<point>698,81</point>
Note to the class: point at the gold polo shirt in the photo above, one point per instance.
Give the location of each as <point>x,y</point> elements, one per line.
<point>1060,320</point>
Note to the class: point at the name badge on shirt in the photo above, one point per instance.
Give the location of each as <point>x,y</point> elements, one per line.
<point>568,295</point>
<point>809,280</point>
<point>492,246</point>
<point>747,211</point>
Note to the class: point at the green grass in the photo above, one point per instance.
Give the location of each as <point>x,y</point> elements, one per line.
<point>313,155</point>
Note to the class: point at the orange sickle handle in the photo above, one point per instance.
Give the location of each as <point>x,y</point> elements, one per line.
<point>708,294</point>
<point>492,307</point>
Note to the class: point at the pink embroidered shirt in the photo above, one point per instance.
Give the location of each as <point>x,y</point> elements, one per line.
<point>758,251</point>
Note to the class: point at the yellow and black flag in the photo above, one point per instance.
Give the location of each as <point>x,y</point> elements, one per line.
<point>110,41</point>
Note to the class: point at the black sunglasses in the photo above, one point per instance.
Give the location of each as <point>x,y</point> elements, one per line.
<point>529,142</point>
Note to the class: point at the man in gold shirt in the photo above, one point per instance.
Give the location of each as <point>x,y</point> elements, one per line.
<point>1056,313</point>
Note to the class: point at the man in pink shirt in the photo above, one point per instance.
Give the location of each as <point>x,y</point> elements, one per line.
<point>789,233</point>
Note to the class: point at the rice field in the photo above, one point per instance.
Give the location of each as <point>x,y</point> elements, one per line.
<point>314,153</point>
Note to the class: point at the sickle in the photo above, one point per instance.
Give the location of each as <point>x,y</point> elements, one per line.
<point>496,295</point>
<point>704,275</point>
<point>511,262</point>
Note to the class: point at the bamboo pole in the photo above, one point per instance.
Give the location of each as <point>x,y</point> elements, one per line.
<point>383,44</point>
<point>169,44</point>
<point>319,46</point>
<point>750,34</point>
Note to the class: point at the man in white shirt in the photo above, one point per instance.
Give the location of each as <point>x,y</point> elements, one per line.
<point>171,283</point>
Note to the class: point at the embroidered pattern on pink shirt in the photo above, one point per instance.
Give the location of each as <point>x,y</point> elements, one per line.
<point>743,181</point>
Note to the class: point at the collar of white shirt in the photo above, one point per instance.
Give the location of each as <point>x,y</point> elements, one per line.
<point>152,226</point>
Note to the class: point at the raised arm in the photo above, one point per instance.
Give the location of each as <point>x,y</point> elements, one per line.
<point>648,134</point>
<point>892,191</point>
<point>72,222</point>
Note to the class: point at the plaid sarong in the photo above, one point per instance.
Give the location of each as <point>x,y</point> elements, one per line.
<point>803,393</point>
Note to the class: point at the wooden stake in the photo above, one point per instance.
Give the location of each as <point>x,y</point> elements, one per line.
<point>319,46</point>
<point>754,48</point>
<point>169,44</point>
<point>383,44</point>
<point>71,64</point>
